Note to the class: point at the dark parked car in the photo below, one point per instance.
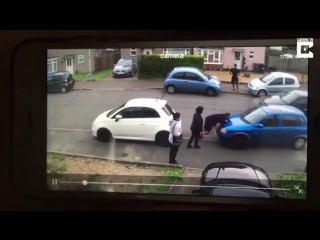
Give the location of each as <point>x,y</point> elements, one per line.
<point>61,81</point>
<point>125,68</point>
<point>235,179</point>
<point>296,98</point>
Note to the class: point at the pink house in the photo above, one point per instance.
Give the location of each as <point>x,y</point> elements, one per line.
<point>225,58</point>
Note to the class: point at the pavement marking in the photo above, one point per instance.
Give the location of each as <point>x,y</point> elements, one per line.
<point>85,130</point>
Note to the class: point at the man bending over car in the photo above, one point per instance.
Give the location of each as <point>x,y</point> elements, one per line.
<point>215,121</point>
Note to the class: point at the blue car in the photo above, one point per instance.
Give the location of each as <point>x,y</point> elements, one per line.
<point>191,79</point>
<point>266,125</point>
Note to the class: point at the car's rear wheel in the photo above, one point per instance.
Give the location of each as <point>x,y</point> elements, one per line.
<point>211,92</point>
<point>162,139</point>
<point>64,90</point>
<point>104,135</point>
<point>262,93</point>
<point>239,142</point>
<point>299,143</point>
<point>171,89</point>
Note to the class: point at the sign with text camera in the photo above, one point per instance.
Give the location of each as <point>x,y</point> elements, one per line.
<point>303,47</point>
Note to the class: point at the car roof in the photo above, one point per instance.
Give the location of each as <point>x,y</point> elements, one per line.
<point>187,69</point>
<point>236,171</point>
<point>282,109</point>
<point>146,102</point>
<point>59,73</point>
<point>300,93</point>
<point>283,74</point>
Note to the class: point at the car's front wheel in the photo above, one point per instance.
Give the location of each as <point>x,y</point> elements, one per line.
<point>211,92</point>
<point>262,93</point>
<point>162,139</point>
<point>299,143</point>
<point>64,90</point>
<point>104,135</point>
<point>239,142</point>
<point>171,89</point>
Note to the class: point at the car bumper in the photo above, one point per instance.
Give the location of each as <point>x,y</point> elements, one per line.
<point>225,138</point>
<point>94,130</point>
<point>252,91</point>
<point>126,74</point>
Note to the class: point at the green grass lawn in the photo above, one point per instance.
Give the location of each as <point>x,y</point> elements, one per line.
<point>95,76</point>
<point>296,182</point>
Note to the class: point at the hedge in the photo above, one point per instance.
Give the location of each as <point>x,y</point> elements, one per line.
<point>153,66</point>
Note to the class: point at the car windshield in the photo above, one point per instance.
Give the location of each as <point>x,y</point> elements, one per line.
<point>115,110</point>
<point>205,74</point>
<point>289,98</point>
<point>253,115</point>
<point>267,78</point>
<point>124,63</point>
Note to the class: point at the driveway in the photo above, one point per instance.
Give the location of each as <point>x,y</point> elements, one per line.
<point>70,117</point>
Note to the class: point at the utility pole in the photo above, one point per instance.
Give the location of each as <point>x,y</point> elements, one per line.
<point>90,73</point>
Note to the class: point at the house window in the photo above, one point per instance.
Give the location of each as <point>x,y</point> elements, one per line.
<point>133,52</point>
<point>211,56</point>
<point>52,65</point>
<point>251,54</point>
<point>184,51</point>
<point>80,59</point>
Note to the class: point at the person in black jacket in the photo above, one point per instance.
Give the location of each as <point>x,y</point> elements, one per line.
<point>196,128</point>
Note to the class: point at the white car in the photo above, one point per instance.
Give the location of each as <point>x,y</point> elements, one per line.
<point>145,119</point>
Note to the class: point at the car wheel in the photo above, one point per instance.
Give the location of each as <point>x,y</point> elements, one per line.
<point>63,90</point>
<point>104,135</point>
<point>299,143</point>
<point>162,139</point>
<point>211,92</point>
<point>132,74</point>
<point>171,89</point>
<point>262,93</point>
<point>239,142</point>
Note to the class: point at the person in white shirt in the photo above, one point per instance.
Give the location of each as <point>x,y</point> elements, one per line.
<point>175,129</point>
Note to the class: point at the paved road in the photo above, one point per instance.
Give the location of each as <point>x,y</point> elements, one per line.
<point>77,110</point>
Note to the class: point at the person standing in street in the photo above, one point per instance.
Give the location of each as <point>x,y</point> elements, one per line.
<point>175,137</point>
<point>243,64</point>
<point>235,72</point>
<point>196,128</point>
<point>215,121</point>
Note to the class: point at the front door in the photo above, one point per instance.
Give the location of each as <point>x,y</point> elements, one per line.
<point>238,58</point>
<point>269,133</point>
<point>276,85</point>
<point>194,83</point>
<point>69,65</point>
<point>147,51</point>
<point>132,124</point>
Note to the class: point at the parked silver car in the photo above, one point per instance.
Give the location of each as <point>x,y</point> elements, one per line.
<point>273,83</point>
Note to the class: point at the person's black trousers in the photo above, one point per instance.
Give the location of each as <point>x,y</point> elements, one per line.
<point>173,153</point>
<point>235,81</point>
<point>195,136</point>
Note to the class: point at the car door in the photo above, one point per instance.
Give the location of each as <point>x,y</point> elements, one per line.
<point>50,84</point>
<point>178,80</point>
<point>131,125</point>
<point>275,85</point>
<point>56,82</point>
<point>290,84</point>
<point>288,128</point>
<point>302,104</point>
<point>194,83</point>
<point>153,121</point>
<point>269,133</point>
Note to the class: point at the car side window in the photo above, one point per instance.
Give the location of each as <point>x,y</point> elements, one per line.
<point>270,121</point>
<point>302,122</point>
<point>132,112</point>
<point>150,113</point>
<point>289,121</point>
<point>277,81</point>
<point>289,81</point>
<point>56,78</point>
<point>192,76</point>
<point>179,75</point>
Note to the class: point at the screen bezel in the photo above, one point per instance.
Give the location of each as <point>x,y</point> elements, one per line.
<point>30,118</point>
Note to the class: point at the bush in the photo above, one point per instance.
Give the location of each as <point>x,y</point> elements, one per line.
<point>153,66</point>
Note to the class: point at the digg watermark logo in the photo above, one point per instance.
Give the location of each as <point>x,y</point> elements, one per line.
<point>303,47</point>
<point>172,55</point>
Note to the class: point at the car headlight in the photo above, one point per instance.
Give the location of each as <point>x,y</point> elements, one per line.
<point>223,130</point>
